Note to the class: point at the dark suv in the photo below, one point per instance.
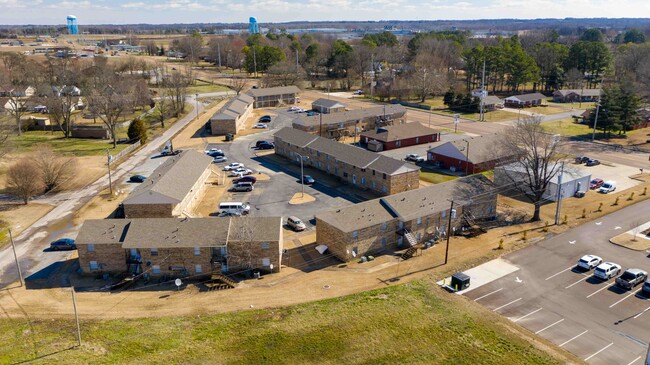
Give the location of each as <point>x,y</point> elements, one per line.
<point>266,146</point>
<point>631,278</point>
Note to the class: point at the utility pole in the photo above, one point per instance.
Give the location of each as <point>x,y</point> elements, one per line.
<point>372,73</point>
<point>451,209</point>
<point>110,181</point>
<point>467,158</point>
<point>302,175</point>
<point>219,54</point>
<point>76,317</point>
<point>296,59</point>
<point>600,87</point>
<point>254,61</point>
<point>13,245</point>
<point>429,117</point>
<point>559,195</point>
<point>482,92</point>
<point>197,105</point>
<point>320,125</point>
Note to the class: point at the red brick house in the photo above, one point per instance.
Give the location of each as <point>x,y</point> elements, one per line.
<point>469,155</point>
<point>397,136</point>
<point>524,100</point>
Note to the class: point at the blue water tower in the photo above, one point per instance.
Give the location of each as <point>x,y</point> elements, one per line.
<point>72,25</point>
<point>253,27</point>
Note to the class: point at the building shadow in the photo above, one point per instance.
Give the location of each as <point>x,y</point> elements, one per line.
<point>307,259</point>
<point>55,275</point>
<point>40,357</point>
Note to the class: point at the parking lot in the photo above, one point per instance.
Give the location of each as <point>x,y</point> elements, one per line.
<point>548,295</point>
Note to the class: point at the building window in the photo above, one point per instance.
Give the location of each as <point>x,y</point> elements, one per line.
<point>383,242</point>
<point>155,269</point>
<point>363,181</point>
<point>345,174</point>
<point>94,266</point>
<point>336,171</point>
<point>197,251</point>
<point>154,251</point>
<point>198,269</point>
<point>384,189</point>
<point>417,140</point>
<point>398,143</point>
<point>453,214</point>
<point>327,157</point>
<point>372,184</point>
<point>373,172</point>
<point>384,176</point>
<point>265,246</point>
<point>384,226</point>
<point>319,165</point>
<point>90,248</point>
<point>418,221</point>
<point>355,235</point>
<point>443,214</point>
<point>266,262</point>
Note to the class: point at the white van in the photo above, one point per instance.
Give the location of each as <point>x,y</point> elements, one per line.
<point>234,207</point>
<point>607,187</point>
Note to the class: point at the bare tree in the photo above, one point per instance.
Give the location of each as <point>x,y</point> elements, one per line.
<point>282,74</point>
<point>240,243</point>
<point>24,179</point>
<point>164,107</point>
<point>238,84</point>
<point>55,170</point>
<point>112,101</point>
<point>176,86</point>
<point>538,160</point>
<point>5,134</point>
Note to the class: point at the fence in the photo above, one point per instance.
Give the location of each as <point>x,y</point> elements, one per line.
<point>126,151</point>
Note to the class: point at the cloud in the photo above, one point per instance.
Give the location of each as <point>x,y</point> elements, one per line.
<point>77,5</point>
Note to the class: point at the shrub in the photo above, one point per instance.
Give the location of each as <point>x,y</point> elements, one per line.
<point>137,130</point>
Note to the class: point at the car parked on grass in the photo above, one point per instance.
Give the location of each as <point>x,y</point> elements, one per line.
<point>266,146</point>
<point>260,126</point>
<point>63,244</point>
<point>308,180</point>
<point>219,159</point>
<point>240,172</point>
<point>631,278</point>
<point>296,224</point>
<point>596,183</point>
<point>137,179</point>
<point>607,187</point>
<point>591,162</point>
<point>607,270</point>
<point>414,157</point>
<point>233,166</point>
<point>250,179</point>
<point>588,262</point>
<point>265,119</point>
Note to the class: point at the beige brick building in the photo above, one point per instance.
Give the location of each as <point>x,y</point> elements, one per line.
<point>349,122</point>
<point>180,246</point>
<point>172,190</point>
<point>232,117</point>
<point>274,96</point>
<point>403,220</point>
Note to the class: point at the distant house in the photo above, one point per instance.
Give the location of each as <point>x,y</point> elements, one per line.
<point>472,155</point>
<point>574,180</point>
<point>66,90</point>
<point>492,102</point>
<point>19,92</point>
<point>274,96</point>
<point>327,106</point>
<point>575,95</point>
<point>399,135</point>
<point>172,190</point>
<point>524,100</point>
<point>232,117</point>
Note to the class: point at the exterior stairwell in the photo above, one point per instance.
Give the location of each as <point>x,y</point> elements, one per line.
<point>220,282</point>
<point>410,238</point>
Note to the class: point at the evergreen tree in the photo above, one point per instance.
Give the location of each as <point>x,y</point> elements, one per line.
<point>137,130</point>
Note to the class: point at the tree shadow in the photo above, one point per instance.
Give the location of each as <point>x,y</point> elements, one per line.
<point>44,356</point>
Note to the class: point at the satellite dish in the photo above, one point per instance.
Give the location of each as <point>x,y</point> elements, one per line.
<point>178,283</point>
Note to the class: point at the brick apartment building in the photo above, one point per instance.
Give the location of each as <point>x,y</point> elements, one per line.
<point>398,136</point>
<point>470,155</point>
<point>180,246</point>
<point>405,219</point>
<point>172,190</point>
<point>349,122</point>
<point>524,100</point>
<point>232,117</point>
<point>274,96</point>
<point>354,165</point>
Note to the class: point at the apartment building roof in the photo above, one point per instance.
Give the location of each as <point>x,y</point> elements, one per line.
<point>269,91</point>
<point>350,115</point>
<point>399,132</point>
<point>481,149</point>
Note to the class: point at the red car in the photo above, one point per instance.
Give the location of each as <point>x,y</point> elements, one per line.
<point>596,183</point>
<point>250,179</point>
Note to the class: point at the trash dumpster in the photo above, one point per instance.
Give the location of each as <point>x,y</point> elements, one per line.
<point>230,137</point>
<point>459,281</point>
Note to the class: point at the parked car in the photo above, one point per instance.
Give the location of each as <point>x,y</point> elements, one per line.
<point>214,152</point>
<point>358,92</point>
<point>244,186</point>
<point>631,278</point>
<point>250,179</point>
<point>607,187</point>
<point>646,287</point>
<point>137,179</point>
<point>607,270</point>
<point>296,224</point>
<point>265,119</point>
<point>258,143</point>
<point>308,180</point>
<point>591,162</point>
<point>233,166</point>
<point>63,244</point>
<point>260,126</point>
<point>220,159</point>
<point>596,183</point>
<point>311,113</point>
<point>266,146</point>
<point>414,157</point>
<point>293,109</point>
<point>581,159</point>
<point>588,262</point>
<point>240,172</point>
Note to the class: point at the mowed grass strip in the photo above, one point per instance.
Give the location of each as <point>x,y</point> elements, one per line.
<point>413,323</point>
<point>67,146</point>
<point>435,177</point>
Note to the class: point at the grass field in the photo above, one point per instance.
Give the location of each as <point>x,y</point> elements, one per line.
<point>435,177</point>
<point>413,323</point>
<point>69,146</point>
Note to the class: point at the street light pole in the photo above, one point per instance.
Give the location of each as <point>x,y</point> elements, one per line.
<point>302,174</point>
<point>451,209</point>
<point>197,105</point>
<point>13,245</point>
<point>467,158</point>
<point>600,88</point>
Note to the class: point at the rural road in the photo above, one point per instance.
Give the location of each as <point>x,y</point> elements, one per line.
<point>31,242</point>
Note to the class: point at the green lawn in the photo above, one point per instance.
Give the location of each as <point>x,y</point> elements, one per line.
<point>201,87</point>
<point>568,128</point>
<point>69,146</point>
<point>403,324</point>
<point>435,177</point>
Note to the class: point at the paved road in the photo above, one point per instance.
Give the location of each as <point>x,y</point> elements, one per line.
<point>31,242</point>
<point>593,319</point>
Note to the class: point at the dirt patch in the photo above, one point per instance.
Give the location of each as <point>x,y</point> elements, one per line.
<point>20,216</point>
<point>628,240</point>
<point>212,197</point>
<point>299,198</point>
<point>193,135</point>
<point>101,206</point>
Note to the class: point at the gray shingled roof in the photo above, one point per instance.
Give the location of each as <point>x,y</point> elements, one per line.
<point>492,100</point>
<point>350,115</point>
<point>399,132</point>
<point>268,91</point>
<point>408,205</point>
<point>171,181</point>
<point>481,149</point>
<point>528,97</point>
<point>102,231</point>
<point>584,92</point>
<point>224,115</point>
<point>346,153</point>
<point>327,103</point>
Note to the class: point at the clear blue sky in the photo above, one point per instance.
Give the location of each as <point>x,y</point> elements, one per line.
<point>230,11</point>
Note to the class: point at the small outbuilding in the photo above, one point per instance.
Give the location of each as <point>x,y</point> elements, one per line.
<point>524,100</point>
<point>399,135</point>
<point>573,180</point>
<point>471,155</point>
<point>327,106</point>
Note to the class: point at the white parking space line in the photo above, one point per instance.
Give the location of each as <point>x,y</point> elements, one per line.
<point>639,315</point>
<point>601,289</point>
<point>505,305</point>
<point>627,296</point>
<point>573,338</point>
<point>529,314</point>
<point>635,360</point>
<point>577,282</point>
<point>554,275</point>
<point>496,291</point>
<point>599,351</point>
<point>549,326</point>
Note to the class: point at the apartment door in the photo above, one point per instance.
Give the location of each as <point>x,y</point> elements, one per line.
<point>354,179</point>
